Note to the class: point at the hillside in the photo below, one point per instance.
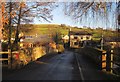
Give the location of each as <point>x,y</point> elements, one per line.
<point>39,29</point>
<point>43,29</point>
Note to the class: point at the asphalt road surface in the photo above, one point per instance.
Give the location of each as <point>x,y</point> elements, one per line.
<point>65,66</point>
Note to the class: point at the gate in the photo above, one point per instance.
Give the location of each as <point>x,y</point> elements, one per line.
<point>6,60</point>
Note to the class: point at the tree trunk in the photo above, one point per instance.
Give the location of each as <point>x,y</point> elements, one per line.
<point>1,25</point>
<point>118,13</point>
<point>9,38</point>
<point>17,29</point>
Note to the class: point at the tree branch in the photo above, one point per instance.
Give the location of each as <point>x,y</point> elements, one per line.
<point>85,9</point>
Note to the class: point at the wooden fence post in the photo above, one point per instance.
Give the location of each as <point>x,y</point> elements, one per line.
<point>103,58</point>
<point>111,58</point>
<point>9,59</point>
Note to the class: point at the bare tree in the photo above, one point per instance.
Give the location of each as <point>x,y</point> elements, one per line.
<point>25,12</point>
<point>83,11</point>
<point>28,11</point>
<point>118,9</point>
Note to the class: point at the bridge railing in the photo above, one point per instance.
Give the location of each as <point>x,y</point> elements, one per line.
<point>6,58</point>
<point>102,58</point>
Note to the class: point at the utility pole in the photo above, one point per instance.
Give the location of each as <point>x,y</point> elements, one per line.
<point>69,37</point>
<point>102,42</point>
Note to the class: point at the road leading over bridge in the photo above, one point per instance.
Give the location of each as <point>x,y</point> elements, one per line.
<point>65,66</point>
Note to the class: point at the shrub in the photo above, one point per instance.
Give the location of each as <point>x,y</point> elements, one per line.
<point>60,48</point>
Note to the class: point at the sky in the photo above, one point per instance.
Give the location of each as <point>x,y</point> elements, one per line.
<point>60,18</point>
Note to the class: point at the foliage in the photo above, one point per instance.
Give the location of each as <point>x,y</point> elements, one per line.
<point>4,46</point>
<point>57,38</point>
<point>60,48</point>
<point>15,13</point>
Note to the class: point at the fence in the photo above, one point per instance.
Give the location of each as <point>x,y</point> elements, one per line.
<point>18,59</point>
<point>6,59</point>
<point>102,58</point>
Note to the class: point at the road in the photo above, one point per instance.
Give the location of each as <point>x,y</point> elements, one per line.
<point>63,66</point>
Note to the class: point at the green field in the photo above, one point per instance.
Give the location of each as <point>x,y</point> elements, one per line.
<point>40,29</point>
<point>43,29</point>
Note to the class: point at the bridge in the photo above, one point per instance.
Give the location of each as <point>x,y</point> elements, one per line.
<point>69,65</point>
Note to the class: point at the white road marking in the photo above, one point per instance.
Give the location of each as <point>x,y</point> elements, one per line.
<point>80,69</point>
